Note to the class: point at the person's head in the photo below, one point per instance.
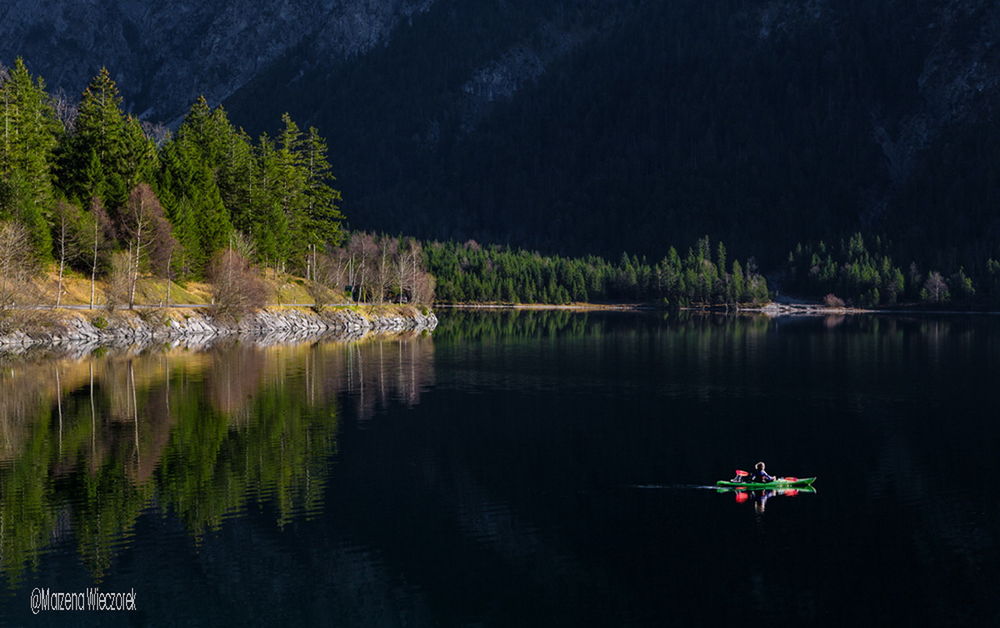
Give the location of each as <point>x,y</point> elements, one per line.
<point>759,466</point>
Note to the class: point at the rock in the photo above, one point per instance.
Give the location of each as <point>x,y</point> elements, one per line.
<point>269,327</point>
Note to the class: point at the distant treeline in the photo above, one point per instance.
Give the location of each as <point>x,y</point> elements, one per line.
<point>471,272</point>
<point>861,274</point>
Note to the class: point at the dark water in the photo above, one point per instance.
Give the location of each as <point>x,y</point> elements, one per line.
<point>515,469</point>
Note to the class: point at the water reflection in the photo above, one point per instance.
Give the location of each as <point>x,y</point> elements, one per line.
<point>89,444</point>
<point>759,498</point>
<point>495,498</point>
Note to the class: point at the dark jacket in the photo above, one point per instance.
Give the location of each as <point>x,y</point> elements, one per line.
<point>760,477</point>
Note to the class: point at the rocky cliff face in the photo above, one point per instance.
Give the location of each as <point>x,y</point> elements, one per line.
<point>166,53</point>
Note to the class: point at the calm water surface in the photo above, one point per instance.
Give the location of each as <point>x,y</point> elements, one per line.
<point>533,468</point>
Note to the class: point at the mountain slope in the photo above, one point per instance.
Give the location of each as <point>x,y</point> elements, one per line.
<point>583,128</point>
<point>592,126</point>
<point>165,54</point>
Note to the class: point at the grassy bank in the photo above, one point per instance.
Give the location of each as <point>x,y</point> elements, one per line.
<point>151,291</point>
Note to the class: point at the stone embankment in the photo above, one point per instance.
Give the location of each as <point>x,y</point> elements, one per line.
<point>802,309</point>
<point>199,328</point>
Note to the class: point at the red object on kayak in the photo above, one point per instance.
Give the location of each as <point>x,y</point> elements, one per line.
<point>791,479</point>
<point>741,473</point>
<point>742,496</point>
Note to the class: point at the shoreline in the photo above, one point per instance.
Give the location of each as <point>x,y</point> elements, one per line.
<point>772,309</point>
<point>85,330</point>
<point>547,306</point>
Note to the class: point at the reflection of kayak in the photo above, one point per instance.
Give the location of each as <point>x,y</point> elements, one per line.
<point>788,490</point>
<point>777,484</point>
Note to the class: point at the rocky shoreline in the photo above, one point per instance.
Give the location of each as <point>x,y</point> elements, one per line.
<point>193,327</point>
<point>802,309</point>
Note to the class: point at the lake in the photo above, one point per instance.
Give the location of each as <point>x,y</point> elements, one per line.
<point>514,468</point>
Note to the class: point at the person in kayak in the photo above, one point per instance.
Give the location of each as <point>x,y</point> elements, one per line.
<point>759,475</point>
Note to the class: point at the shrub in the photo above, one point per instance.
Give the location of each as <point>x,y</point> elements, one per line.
<point>100,322</point>
<point>238,288</point>
<point>832,300</point>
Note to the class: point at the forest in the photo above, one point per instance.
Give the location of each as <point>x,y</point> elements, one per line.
<point>762,124</point>
<point>89,189</point>
<point>865,275</point>
<point>703,277</point>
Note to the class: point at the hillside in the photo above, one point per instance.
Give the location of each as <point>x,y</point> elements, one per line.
<point>577,126</point>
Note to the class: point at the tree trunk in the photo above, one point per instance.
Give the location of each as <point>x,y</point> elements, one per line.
<point>62,258</point>
<point>170,259</point>
<point>93,267</point>
<point>384,282</point>
<point>350,276</point>
<point>133,275</point>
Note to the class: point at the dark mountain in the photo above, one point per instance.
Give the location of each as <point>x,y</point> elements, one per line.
<point>593,126</point>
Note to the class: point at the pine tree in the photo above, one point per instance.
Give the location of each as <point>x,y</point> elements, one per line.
<point>29,138</point>
<point>290,187</point>
<point>323,217</point>
<point>269,223</point>
<point>191,197</point>
<point>208,130</point>
<point>140,161</point>
<point>212,218</point>
<point>175,182</point>
<point>99,138</point>
<point>235,179</point>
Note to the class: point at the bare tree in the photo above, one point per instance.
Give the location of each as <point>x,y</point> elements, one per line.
<point>149,234</point>
<point>156,131</point>
<point>415,257</point>
<point>119,279</point>
<point>66,109</point>
<point>63,217</point>
<point>238,287</point>
<point>935,288</point>
<point>16,264</point>
<point>400,264</point>
<point>377,268</point>
<point>72,235</point>
<point>388,248</point>
<point>103,232</point>
<point>366,251</point>
<point>423,287</point>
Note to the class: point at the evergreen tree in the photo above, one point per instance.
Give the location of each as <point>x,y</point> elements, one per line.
<point>268,222</point>
<point>191,197</point>
<point>214,227</point>
<point>96,158</point>
<point>290,184</point>
<point>235,177</point>
<point>140,161</point>
<point>323,217</point>
<point>30,133</point>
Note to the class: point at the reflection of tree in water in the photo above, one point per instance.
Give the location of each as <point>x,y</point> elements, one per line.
<point>482,325</point>
<point>375,373</point>
<point>87,445</point>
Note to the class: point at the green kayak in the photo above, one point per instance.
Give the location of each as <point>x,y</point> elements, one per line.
<point>779,483</point>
